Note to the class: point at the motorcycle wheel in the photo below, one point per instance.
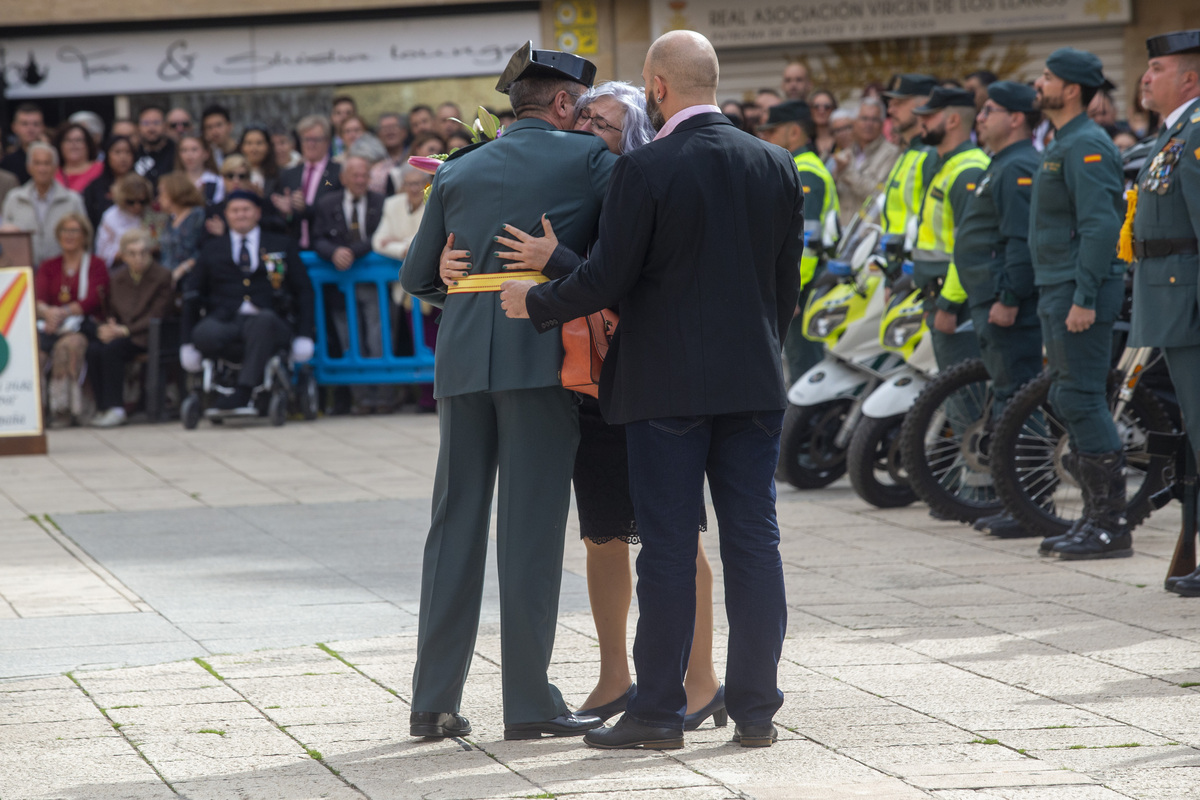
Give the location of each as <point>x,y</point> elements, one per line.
<point>1027,458</point>
<point>873,463</point>
<point>808,457</point>
<point>944,443</point>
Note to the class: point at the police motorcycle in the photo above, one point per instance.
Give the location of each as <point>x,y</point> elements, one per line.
<point>873,461</point>
<point>824,404</point>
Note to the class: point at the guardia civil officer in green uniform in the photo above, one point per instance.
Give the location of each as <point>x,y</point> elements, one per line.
<point>790,125</point>
<point>991,253</point>
<point>914,169</point>
<point>946,123</point>
<point>501,403</point>
<point>1166,227</point>
<point>1074,222</point>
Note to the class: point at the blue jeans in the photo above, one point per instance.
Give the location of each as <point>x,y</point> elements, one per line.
<point>668,461</point>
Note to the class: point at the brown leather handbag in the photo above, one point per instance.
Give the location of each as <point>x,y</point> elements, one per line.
<point>585,343</point>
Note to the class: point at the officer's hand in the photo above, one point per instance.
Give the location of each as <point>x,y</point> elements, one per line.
<point>528,252</point>
<point>302,349</point>
<point>945,321</point>
<point>190,358</point>
<point>512,298</point>
<point>343,258</point>
<point>1002,315</point>
<point>453,264</point>
<point>1079,319</point>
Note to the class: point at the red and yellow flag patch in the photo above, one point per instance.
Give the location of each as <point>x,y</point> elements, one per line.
<point>1024,181</point>
<point>1092,159</point>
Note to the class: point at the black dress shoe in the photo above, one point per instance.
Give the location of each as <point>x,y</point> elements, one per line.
<point>984,523</point>
<point>610,709</point>
<point>1009,528</point>
<point>1187,585</point>
<point>565,724</point>
<point>714,709</point>
<point>433,724</point>
<point>760,735</point>
<point>629,734</point>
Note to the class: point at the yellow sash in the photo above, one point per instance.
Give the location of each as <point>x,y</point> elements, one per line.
<point>491,281</point>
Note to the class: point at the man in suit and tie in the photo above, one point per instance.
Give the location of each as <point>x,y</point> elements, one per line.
<point>501,405</point>
<point>253,290</point>
<point>342,228</point>
<point>699,240</point>
<point>300,186</point>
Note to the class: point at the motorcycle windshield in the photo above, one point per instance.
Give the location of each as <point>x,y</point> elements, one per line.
<point>865,222</point>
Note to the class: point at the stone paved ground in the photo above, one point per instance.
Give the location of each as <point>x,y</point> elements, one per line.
<point>229,613</point>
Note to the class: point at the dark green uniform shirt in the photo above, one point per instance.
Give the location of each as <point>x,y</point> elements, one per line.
<point>991,248</point>
<point>1165,308</point>
<point>1077,209</point>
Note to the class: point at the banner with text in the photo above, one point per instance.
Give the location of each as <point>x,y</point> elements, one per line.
<point>361,51</point>
<point>748,23</point>
<point>20,384</point>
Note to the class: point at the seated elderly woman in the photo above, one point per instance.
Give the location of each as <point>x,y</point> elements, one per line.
<point>138,292</point>
<point>132,196</point>
<point>70,291</point>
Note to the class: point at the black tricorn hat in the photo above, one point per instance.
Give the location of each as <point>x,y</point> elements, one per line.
<point>530,63</point>
<point>1174,43</point>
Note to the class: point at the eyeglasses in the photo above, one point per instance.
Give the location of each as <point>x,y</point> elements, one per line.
<point>314,140</point>
<point>989,109</point>
<point>180,126</point>
<point>598,122</point>
<point>237,176</point>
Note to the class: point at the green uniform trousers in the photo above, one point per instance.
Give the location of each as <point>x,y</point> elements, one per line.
<point>1079,364</point>
<point>1012,355</point>
<point>1184,366</point>
<point>799,353</point>
<point>951,348</point>
<point>530,435</point>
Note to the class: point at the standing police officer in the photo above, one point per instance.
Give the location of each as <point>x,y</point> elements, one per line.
<point>914,169</point>
<point>790,125</point>
<point>1166,226</point>
<point>946,122</point>
<point>1075,220</point>
<point>991,252</point>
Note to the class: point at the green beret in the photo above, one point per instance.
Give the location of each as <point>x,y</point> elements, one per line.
<point>946,97</point>
<point>1012,95</point>
<point>1076,66</point>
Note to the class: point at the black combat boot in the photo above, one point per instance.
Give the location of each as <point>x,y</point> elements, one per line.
<point>1106,533</point>
<point>1070,462</point>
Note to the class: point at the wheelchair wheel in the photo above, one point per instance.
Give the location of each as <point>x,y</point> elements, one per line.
<point>944,444</point>
<point>307,395</point>
<point>1027,458</point>
<point>277,407</point>
<point>873,463</point>
<point>189,412</point>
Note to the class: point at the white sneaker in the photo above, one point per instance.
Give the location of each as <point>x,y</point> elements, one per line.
<point>109,418</point>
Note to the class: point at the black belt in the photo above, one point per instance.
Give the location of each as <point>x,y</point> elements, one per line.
<point>1161,248</point>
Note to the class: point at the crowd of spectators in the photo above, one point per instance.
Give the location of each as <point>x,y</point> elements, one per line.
<point>143,196</point>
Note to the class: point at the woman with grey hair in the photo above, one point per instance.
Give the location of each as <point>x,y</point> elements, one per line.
<point>616,112</point>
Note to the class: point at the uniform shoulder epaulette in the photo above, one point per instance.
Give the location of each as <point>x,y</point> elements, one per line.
<point>1195,115</point>
<point>463,150</point>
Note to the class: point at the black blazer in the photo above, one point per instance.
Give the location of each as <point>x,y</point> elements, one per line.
<point>217,286</point>
<point>293,178</point>
<point>329,229</point>
<point>700,243</point>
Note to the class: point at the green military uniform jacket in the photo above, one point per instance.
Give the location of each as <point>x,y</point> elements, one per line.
<point>1076,212</point>
<point>991,246</point>
<point>1165,308</point>
<point>532,169</point>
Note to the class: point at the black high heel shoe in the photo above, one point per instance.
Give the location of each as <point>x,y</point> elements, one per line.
<point>714,709</point>
<point>614,707</point>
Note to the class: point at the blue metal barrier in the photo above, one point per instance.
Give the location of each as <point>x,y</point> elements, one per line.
<point>351,367</point>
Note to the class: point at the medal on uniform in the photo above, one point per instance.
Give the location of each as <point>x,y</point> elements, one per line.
<point>1158,176</point>
<point>274,263</point>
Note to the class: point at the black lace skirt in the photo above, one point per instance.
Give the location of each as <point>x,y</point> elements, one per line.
<point>601,480</point>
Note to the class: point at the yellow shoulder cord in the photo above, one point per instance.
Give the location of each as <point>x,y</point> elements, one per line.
<point>1125,245</point>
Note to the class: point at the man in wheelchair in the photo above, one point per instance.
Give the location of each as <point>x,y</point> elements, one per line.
<point>246,298</point>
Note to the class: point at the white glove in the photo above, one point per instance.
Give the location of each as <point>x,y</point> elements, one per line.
<point>302,349</point>
<point>190,358</point>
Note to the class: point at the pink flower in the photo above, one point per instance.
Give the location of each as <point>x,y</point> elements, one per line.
<point>425,164</point>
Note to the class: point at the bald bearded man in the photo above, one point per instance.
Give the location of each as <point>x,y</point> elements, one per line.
<point>700,237</point>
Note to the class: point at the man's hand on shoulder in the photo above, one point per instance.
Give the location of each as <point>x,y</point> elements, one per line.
<point>512,298</point>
